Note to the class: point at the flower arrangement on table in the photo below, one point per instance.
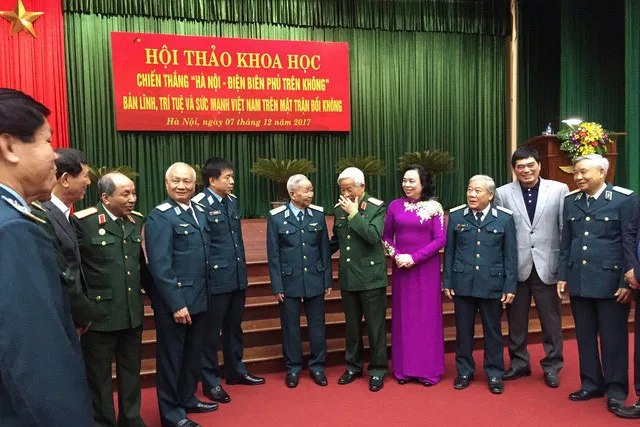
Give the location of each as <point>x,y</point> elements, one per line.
<point>586,138</point>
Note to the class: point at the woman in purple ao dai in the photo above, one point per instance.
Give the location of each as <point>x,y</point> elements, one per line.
<point>414,233</point>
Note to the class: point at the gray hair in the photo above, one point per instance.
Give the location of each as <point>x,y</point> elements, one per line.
<point>352,173</point>
<point>488,182</point>
<point>294,181</point>
<point>597,159</point>
<point>173,166</point>
<point>106,184</point>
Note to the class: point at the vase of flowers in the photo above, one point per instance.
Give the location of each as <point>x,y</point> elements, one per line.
<point>586,138</point>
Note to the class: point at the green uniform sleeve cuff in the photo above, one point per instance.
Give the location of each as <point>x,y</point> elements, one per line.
<point>350,217</point>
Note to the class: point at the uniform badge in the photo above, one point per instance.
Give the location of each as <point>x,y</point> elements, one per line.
<point>210,200</point>
<point>215,213</point>
<point>608,195</point>
<point>285,223</point>
<point>102,232</point>
<point>363,206</point>
<point>184,225</point>
<point>101,219</point>
<point>177,210</point>
<point>313,224</point>
<point>286,214</point>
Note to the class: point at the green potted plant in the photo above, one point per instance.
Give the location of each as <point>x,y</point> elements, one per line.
<point>436,162</point>
<point>279,172</point>
<point>95,173</point>
<point>369,165</point>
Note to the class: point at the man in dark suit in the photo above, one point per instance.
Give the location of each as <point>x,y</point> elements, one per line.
<point>300,268</point>
<point>72,179</point>
<point>632,278</point>
<point>480,274</point>
<point>362,270</point>
<point>39,348</point>
<point>227,282</point>
<point>177,244</point>
<point>110,240</point>
<point>596,250</point>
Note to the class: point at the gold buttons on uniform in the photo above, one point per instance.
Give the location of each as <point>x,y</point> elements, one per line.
<point>303,244</point>
<point>215,267</point>
<point>179,284</point>
<point>477,267</point>
<point>372,262</point>
<point>477,255</point>
<point>124,241</point>
<point>478,243</point>
<point>126,257</point>
<point>238,259</point>
<point>129,289</point>
<point>348,236</point>
<point>348,259</point>
<point>302,231</point>
<point>186,232</point>
<point>479,230</point>
<point>304,257</point>
<point>587,219</point>
<point>98,298</point>
<point>128,273</point>
<point>584,262</point>
<point>586,233</point>
<point>305,269</point>
<point>584,248</point>
<point>104,243</point>
<point>348,248</point>
<point>606,218</point>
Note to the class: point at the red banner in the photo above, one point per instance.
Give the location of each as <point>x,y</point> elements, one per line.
<point>186,83</point>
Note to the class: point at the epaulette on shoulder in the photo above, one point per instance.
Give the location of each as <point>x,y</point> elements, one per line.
<point>36,204</point>
<point>199,204</point>
<point>278,210</point>
<point>572,192</point>
<point>198,197</point>
<point>86,212</point>
<point>622,190</point>
<point>316,207</point>
<point>457,208</point>
<point>233,195</point>
<point>163,207</point>
<point>136,213</point>
<point>375,201</point>
<point>505,210</point>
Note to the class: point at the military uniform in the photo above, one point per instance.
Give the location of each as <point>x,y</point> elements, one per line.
<point>362,272</point>
<point>39,348</point>
<point>480,264</point>
<point>227,289</point>
<point>178,249</point>
<point>300,267</point>
<point>595,251</point>
<point>111,257</point>
<point>83,312</point>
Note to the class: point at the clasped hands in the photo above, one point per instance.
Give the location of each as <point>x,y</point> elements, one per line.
<point>507,298</point>
<point>404,261</point>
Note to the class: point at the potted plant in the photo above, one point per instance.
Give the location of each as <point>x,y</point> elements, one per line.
<point>369,165</point>
<point>279,172</point>
<point>95,173</point>
<point>435,162</point>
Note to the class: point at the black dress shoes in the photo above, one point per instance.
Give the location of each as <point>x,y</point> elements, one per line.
<point>292,380</point>
<point>462,381</point>
<point>582,395</point>
<point>185,422</point>
<point>552,380</point>
<point>217,394</point>
<point>319,378</point>
<point>201,408</point>
<point>495,385</point>
<point>614,404</point>
<point>514,374</point>
<point>630,412</point>
<point>246,379</point>
<point>376,383</point>
<point>402,382</point>
<point>348,377</point>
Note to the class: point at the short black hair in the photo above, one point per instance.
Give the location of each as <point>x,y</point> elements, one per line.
<point>213,168</point>
<point>20,114</point>
<point>524,153</point>
<point>69,161</point>
<point>428,187</point>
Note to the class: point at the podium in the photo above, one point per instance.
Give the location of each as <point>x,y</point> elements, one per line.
<point>552,158</point>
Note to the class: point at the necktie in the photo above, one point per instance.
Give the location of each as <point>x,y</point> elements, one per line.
<point>225,205</point>
<point>190,212</point>
<point>479,217</point>
<point>300,216</point>
<point>120,222</point>
<point>589,200</point>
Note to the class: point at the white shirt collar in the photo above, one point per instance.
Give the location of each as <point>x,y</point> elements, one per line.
<point>485,211</point>
<point>183,206</point>
<point>112,216</point>
<point>58,204</point>
<point>599,192</point>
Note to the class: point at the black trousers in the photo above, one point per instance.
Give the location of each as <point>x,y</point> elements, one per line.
<point>291,337</point>
<point>548,306</point>
<point>373,305</point>
<point>179,348</point>
<point>99,349</point>
<point>225,314</point>
<point>607,319</point>
<point>636,350</point>
<point>490,313</point>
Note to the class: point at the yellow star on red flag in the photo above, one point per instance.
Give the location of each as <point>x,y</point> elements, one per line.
<point>20,19</point>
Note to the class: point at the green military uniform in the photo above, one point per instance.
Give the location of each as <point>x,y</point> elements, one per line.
<point>362,272</point>
<point>112,260</point>
<point>82,311</point>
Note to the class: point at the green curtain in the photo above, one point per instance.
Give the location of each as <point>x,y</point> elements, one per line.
<point>592,66</point>
<point>538,67</point>
<point>631,149</point>
<point>410,91</point>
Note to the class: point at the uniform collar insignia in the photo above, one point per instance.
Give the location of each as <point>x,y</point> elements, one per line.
<point>579,196</point>
<point>466,211</point>
<point>608,195</point>
<point>286,213</point>
<point>23,210</point>
<point>177,210</point>
<point>102,219</point>
<point>494,212</point>
<point>210,200</point>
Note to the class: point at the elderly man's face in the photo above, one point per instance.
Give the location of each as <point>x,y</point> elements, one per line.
<point>181,184</point>
<point>302,195</point>
<point>350,190</point>
<point>478,197</point>
<point>589,176</point>
<point>123,199</point>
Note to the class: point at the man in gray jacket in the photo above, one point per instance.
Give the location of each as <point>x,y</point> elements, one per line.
<point>537,206</point>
